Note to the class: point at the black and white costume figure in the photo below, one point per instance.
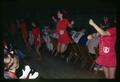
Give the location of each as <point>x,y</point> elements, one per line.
<point>23,71</point>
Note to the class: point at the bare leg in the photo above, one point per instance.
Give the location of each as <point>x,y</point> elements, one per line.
<point>38,52</point>
<point>63,48</point>
<point>27,46</point>
<point>54,47</point>
<point>112,71</point>
<point>106,72</point>
<point>58,47</point>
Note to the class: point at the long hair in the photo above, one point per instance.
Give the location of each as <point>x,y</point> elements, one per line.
<point>64,12</point>
<point>108,22</point>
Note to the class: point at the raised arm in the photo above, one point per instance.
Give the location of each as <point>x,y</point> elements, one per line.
<point>71,24</point>
<point>54,19</point>
<point>98,29</point>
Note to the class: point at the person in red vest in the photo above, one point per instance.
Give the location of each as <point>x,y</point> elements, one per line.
<point>107,54</point>
<point>37,39</point>
<point>62,24</point>
<point>23,27</point>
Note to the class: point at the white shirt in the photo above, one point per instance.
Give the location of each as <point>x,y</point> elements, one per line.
<point>92,44</point>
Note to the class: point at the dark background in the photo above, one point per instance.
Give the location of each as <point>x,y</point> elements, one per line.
<point>42,10</point>
<point>78,10</point>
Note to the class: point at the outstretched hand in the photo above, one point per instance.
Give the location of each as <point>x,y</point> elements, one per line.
<point>53,17</point>
<point>91,22</point>
<point>72,22</point>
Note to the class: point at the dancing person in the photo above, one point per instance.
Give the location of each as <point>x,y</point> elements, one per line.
<point>37,39</point>
<point>107,54</point>
<point>23,27</point>
<point>62,25</point>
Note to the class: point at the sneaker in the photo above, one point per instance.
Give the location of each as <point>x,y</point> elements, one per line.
<point>34,76</point>
<point>25,72</point>
<point>98,67</point>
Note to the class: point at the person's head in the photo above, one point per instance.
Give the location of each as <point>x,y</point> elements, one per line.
<point>105,19</point>
<point>11,62</point>
<point>108,22</point>
<point>61,14</point>
<point>35,23</point>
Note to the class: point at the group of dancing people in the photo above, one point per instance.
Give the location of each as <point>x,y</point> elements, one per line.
<point>106,31</point>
